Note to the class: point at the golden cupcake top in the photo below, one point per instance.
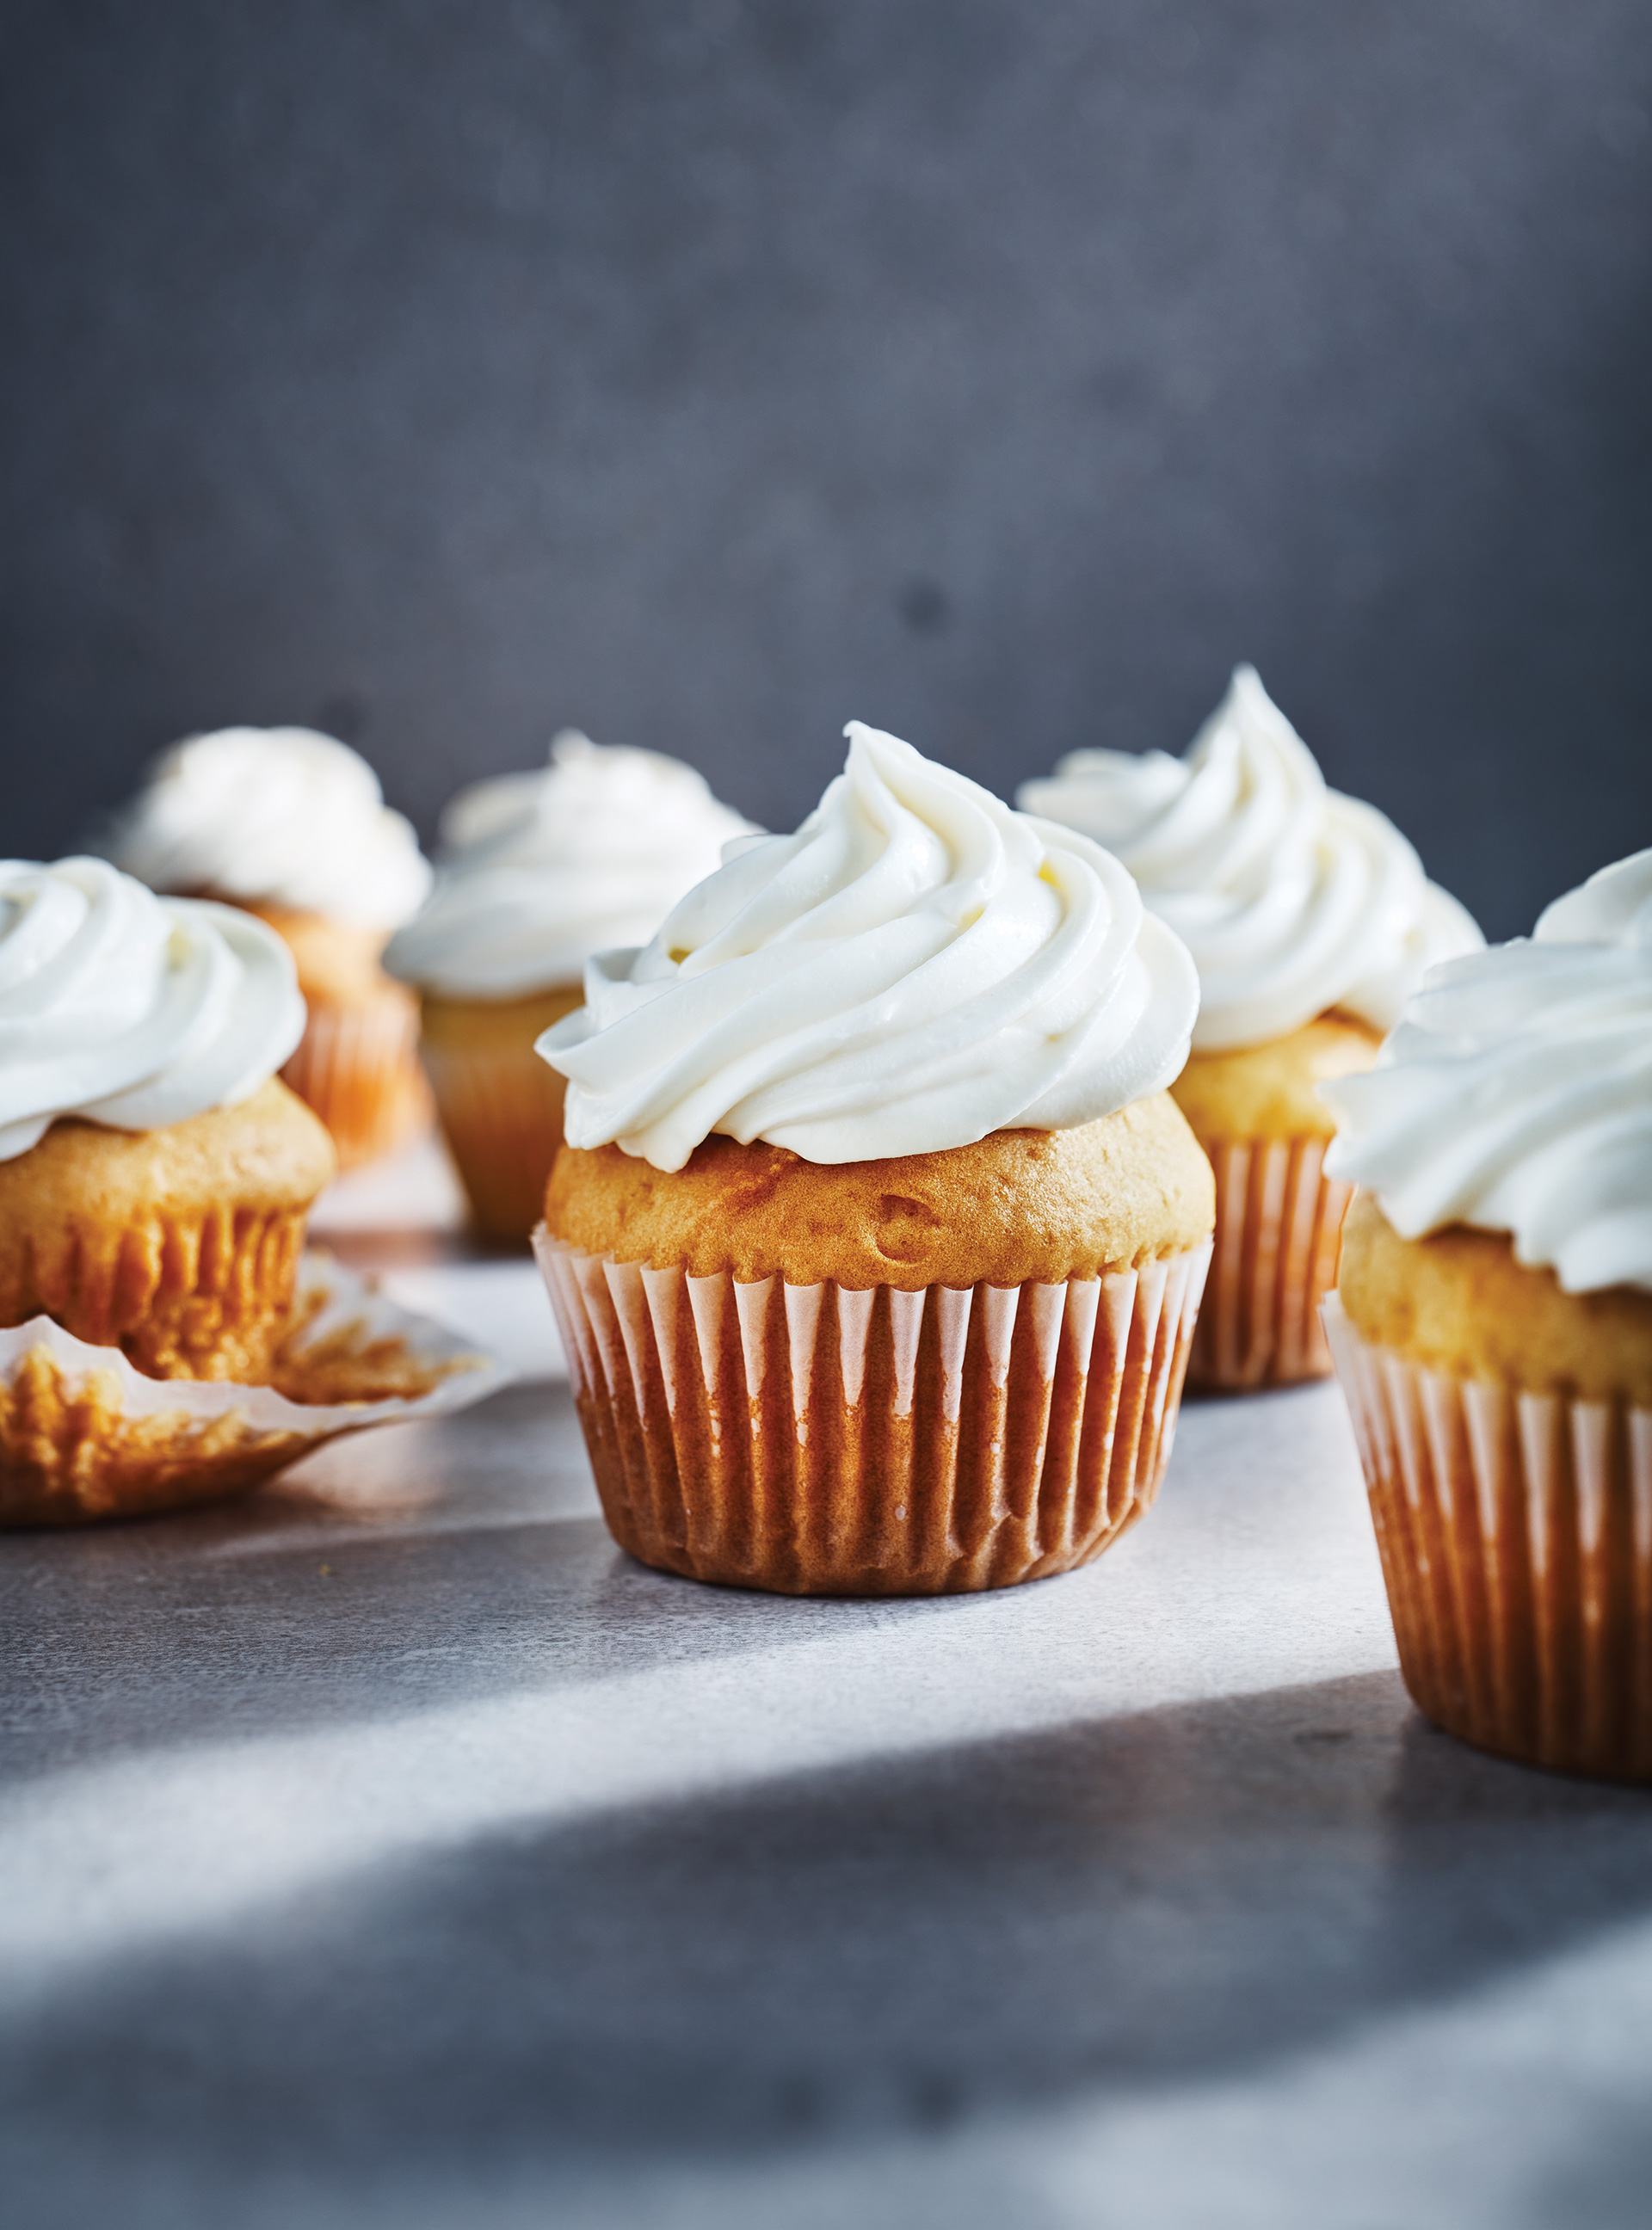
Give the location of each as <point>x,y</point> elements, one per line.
<point>1016,1206</point>
<point>1271,1090</point>
<point>1457,1301</point>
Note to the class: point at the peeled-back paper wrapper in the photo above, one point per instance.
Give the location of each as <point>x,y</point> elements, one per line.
<point>1515,1530</point>
<point>1278,1242</point>
<point>358,1066</point>
<point>501,1114</point>
<point>814,1440</point>
<point>83,1435</point>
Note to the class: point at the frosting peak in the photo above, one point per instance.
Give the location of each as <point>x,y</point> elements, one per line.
<point>128,1010</point>
<point>916,967</point>
<point>283,816</point>
<point>1516,1093</point>
<point>538,871</point>
<point>1292,897</point>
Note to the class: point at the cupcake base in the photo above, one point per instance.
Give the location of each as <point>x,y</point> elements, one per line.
<point>357,1066</point>
<point>1278,1236</point>
<point>499,1105</point>
<point>85,1437</point>
<point>815,1440</point>
<point>179,1244</point>
<point>1515,1530</point>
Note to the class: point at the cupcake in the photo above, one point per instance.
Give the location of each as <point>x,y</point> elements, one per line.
<point>537,872</point>
<point>293,827</point>
<point>877,1243</point>
<point>154,1176</point>
<point>1493,1331</point>
<point>1309,918</point>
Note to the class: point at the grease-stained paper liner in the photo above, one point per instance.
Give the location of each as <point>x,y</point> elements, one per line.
<point>501,1114</point>
<point>1278,1242</point>
<point>83,1435</point>
<point>358,1066</point>
<point>1516,1537</point>
<point>814,1440</point>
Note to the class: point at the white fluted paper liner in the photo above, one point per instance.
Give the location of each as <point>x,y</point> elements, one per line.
<point>1278,1242</point>
<point>1515,1530</point>
<point>84,1436</point>
<point>819,1440</point>
<point>358,1068</point>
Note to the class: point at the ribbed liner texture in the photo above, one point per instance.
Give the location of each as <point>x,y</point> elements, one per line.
<point>1278,1240</point>
<point>817,1441</point>
<point>359,1068</point>
<point>501,1113</point>
<point>1516,1537</point>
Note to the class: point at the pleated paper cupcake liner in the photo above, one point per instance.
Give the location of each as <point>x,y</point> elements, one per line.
<point>814,1440</point>
<point>501,1114</point>
<point>1278,1240</point>
<point>358,1066</point>
<point>84,1436</point>
<point>1516,1537</point>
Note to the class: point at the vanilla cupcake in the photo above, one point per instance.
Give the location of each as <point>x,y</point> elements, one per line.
<point>1310,918</point>
<point>537,872</point>
<point>154,1177</point>
<point>1493,1331</point>
<point>293,826</point>
<point>876,1244</point>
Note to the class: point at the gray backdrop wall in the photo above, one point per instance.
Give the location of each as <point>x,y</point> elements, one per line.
<point>706,372</point>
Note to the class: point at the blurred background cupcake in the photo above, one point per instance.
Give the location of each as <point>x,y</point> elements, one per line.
<point>877,1243</point>
<point>1310,918</point>
<point>1493,1329</point>
<point>292,826</point>
<point>537,872</point>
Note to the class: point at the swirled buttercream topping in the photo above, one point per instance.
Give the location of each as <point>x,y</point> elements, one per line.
<point>1516,1093</point>
<point>538,871</point>
<point>916,967</point>
<point>128,1010</point>
<point>282,815</point>
<point>1292,897</point>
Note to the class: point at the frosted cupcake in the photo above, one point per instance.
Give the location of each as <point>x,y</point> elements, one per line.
<point>154,1177</point>
<point>1310,918</point>
<point>877,1243</point>
<point>293,827</point>
<point>538,871</point>
<point>1493,1329</point>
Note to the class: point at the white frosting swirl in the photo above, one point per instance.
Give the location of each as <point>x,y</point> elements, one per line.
<point>1516,1094</point>
<point>280,814</point>
<point>916,967</point>
<point>131,1010</point>
<point>538,871</point>
<point>1291,898</point>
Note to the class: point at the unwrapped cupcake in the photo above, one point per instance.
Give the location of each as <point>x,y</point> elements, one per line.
<point>293,827</point>
<point>537,872</point>
<point>164,1338</point>
<point>877,1243</point>
<point>1310,918</point>
<point>1493,1329</point>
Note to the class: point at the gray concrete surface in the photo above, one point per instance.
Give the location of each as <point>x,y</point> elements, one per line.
<point>387,1849</point>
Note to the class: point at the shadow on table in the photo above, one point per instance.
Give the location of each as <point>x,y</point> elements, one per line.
<point>893,1948</point>
<point>425,1566</point>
